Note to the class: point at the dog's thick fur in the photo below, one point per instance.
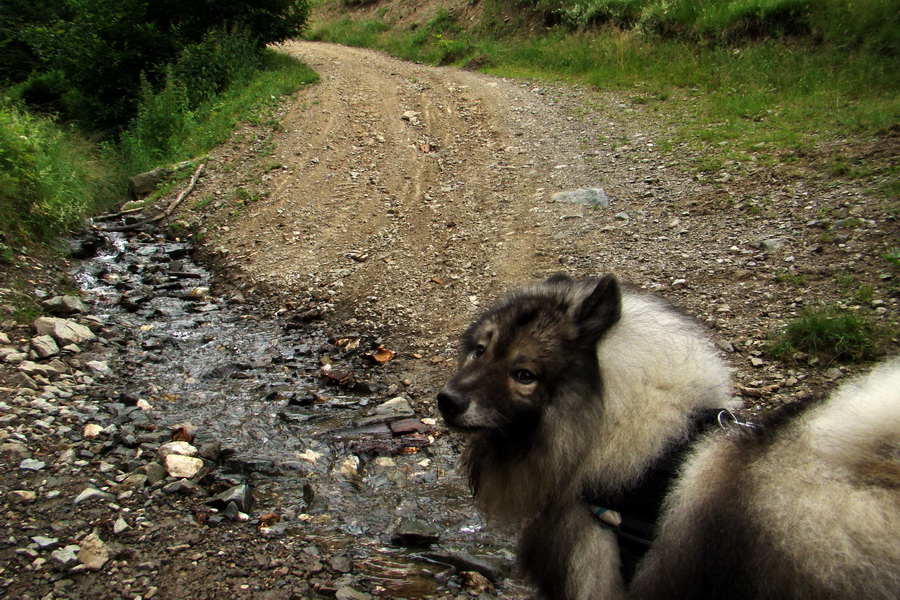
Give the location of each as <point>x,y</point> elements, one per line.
<point>574,390</point>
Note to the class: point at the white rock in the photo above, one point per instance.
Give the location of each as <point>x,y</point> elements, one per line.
<point>179,448</point>
<point>93,553</point>
<point>91,494</point>
<point>183,467</point>
<point>64,331</point>
<point>349,466</point>
<point>310,456</point>
<point>91,431</point>
<point>120,525</point>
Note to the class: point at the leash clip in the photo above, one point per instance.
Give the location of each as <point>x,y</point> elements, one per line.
<point>727,420</point>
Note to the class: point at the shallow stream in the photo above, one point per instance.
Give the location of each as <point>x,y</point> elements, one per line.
<point>280,395</point>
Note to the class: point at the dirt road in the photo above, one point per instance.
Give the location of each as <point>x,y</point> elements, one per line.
<point>410,196</point>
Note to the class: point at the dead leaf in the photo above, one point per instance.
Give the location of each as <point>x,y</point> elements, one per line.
<point>181,434</point>
<point>382,355</point>
<point>268,519</point>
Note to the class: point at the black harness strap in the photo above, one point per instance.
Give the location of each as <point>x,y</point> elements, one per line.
<point>632,514</point>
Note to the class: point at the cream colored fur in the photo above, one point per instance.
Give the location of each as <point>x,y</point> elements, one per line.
<point>657,366</point>
<point>822,500</point>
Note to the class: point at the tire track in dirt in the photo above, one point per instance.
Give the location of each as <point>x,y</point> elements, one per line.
<point>392,186</point>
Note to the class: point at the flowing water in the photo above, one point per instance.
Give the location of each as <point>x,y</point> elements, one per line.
<point>254,382</point>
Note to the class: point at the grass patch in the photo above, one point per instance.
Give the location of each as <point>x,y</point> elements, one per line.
<point>829,335</point>
<point>52,178</point>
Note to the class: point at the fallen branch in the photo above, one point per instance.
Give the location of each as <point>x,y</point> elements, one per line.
<point>116,215</point>
<point>169,210</point>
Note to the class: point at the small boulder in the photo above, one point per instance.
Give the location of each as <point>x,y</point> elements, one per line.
<point>44,346</point>
<point>93,553</point>
<point>64,331</point>
<point>183,467</point>
<point>64,305</point>
<point>239,494</point>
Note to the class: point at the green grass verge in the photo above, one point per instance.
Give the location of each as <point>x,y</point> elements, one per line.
<point>50,178</point>
<point>168,131</point>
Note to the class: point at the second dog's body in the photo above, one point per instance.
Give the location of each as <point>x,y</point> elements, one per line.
<point>582,397</point>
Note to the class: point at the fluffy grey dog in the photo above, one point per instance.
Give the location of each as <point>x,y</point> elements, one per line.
<point>599,420</point>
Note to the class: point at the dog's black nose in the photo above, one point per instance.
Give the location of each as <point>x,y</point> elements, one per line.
<point>451,404</point>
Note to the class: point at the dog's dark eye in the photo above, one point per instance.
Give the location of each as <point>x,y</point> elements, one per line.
<point>479,350</point>
<point>524,376</point>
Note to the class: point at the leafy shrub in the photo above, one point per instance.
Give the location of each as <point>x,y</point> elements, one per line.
<point>50,178</point>
<point>207,68</point>
<point>103,47</point>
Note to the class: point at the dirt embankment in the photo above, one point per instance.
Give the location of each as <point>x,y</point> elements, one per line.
<point>411,196</point>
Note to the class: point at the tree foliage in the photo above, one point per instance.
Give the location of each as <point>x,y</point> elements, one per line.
<point>85,59</point>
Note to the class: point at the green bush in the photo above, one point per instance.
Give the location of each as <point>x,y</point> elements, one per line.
<point>171,126</point>
<point>102,48</point>
<point>50,178</point>
<point>209,67</point>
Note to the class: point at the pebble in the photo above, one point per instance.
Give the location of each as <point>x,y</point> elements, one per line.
<point>45,543</point>
<point>66,558</point>
<point>30,464</point>
<point>590,196</point>
<point>181,466</point>
<point>93,553</point>
<point>120,525</point>
<point>21,497</point>
<point>91,493</point>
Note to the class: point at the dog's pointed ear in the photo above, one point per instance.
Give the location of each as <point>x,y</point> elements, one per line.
<point>600,309</point>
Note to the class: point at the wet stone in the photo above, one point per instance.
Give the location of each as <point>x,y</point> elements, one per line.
<point>240,495</point>
<point>392,410</point>
<point>415,532</point>
<point>185,487</point>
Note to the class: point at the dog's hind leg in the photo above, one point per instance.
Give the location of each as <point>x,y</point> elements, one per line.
<point>568,555</point>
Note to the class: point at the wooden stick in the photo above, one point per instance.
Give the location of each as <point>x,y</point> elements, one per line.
<point>184,194</point>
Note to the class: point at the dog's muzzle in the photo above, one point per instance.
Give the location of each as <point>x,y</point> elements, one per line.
<point>451,404</point>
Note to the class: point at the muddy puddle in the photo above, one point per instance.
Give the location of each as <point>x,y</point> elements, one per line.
<point>300,413</point>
